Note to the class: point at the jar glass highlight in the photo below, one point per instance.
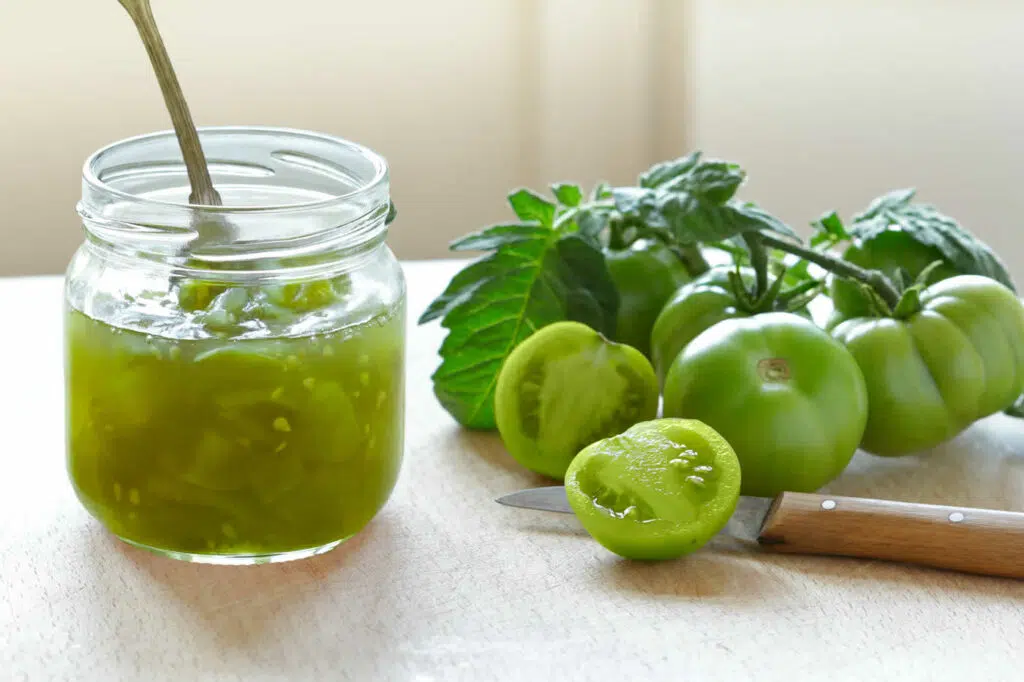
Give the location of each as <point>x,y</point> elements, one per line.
<point>235,375</point>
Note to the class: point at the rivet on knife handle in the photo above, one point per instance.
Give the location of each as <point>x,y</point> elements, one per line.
<point>982,541</point>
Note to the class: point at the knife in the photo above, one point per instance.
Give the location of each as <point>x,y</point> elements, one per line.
<point>981,541</point>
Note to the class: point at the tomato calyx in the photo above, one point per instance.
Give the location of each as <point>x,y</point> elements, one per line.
<point>766,294</point>
<point>896,297</point>
<point>775,299</point>
<point>909,303</point>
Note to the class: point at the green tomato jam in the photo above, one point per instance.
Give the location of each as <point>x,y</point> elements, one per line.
<point>228,440</point>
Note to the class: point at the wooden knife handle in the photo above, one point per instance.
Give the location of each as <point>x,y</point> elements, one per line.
<point>982,541</point>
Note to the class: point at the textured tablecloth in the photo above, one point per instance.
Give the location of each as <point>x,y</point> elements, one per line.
<point>447,585</point>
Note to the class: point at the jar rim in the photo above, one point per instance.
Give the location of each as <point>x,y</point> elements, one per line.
<point>92,169</point>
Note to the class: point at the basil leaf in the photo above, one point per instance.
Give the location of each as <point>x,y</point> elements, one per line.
<point>529,205</point>
<point>535,276</point>
<point>568,194</point>
<point>925,224</point>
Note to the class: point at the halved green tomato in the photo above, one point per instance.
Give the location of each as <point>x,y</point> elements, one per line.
<point>565,387</point>
<point>660,490</point>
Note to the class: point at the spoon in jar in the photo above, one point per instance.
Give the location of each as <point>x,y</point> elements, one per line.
<point>203,192</point>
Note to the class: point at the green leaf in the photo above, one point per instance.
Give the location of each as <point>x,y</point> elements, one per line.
<point>738,252</point>
<point>495,236</point>
<point>750,216</point>
<point>711,180</point>
<point>634,201</point>
<point>894,201</point>
<point>800,272</point>
<point>831,223</point>
<point>465,283</point>
<point>691,219</point>
<point>461,288</point>
<point>534,277</point>
<point>586,285</point>
<point>662,173</point>
<point>601,191</point>
<point>715,181</point>
<point>529,205</point>
<point>592,222</point>
<point>828,230</point>
<point>568,194</point>
<point>924,223</point>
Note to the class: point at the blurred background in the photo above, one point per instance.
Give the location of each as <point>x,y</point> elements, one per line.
<point>826,104</point>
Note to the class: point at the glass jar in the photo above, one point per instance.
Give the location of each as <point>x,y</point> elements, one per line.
<point>235,374</point>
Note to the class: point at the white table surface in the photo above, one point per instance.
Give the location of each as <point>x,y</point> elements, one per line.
<point>447,585</point>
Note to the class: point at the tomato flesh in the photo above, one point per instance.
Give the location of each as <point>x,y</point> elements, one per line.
<point>565,387</point>
<point>660,490</point>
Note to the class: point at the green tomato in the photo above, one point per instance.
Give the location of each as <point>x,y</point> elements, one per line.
<point>959,359</point>
<point>565,387</point>
<point>787,396</point>
<point>888,252</point>
<point>660,490</point>
<point>694,307</point>
<point>646,274</point>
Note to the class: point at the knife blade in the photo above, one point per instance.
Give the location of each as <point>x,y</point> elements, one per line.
<point>965,539</point>
<point>745,523</point>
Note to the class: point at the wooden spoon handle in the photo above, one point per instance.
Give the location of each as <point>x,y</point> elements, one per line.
<point>198,170</point>
<point>983,541</point>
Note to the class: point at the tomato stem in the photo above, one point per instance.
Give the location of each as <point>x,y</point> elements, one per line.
<point>689,255</point>
<point>873,278</point>
<point>616,238</point>
<point>693,260</point>
<point>759,261</point>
